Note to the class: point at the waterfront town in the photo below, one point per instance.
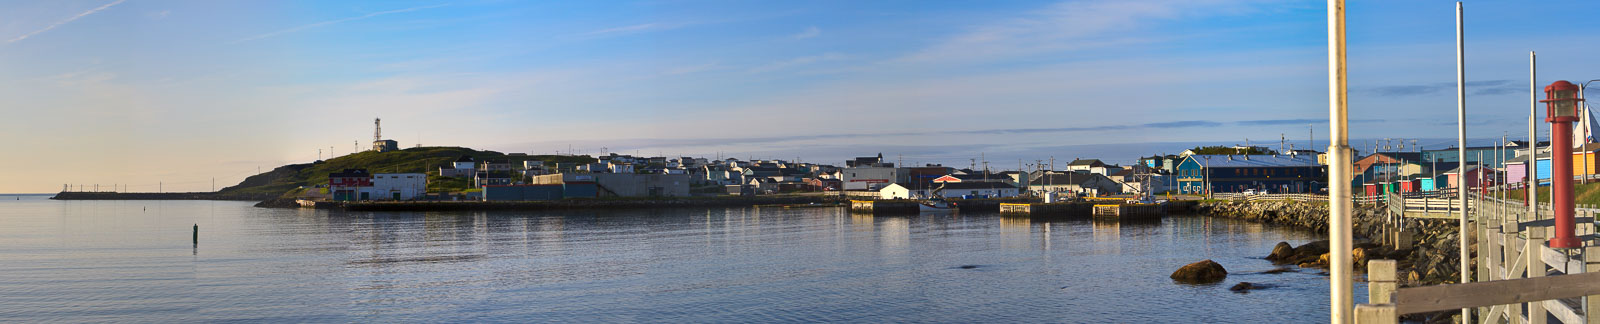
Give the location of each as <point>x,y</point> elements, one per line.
<point>1253,169</point>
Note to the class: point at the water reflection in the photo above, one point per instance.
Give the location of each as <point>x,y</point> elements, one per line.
<point>70,261</point>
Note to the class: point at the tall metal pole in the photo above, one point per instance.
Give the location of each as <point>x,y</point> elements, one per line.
<point>1532,188</point>
<point>1461,153</point>
<point>1342,301</point>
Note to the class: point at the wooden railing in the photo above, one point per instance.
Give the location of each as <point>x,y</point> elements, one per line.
<point>1518,278</point>
<point>1270,197</point>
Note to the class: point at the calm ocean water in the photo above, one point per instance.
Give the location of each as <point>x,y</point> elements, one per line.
<point>133,261</point>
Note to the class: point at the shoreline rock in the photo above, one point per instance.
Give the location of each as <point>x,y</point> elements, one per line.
<point>1202,272</point>
<point>1430,261</point>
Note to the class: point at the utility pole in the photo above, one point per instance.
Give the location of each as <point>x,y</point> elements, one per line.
<point>1461,152</point>
<point>1341,298</point>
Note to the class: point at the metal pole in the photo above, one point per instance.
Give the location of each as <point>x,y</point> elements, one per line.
<point>1461,154</point>
<point>1532,188</point>
<point>1341,298</point>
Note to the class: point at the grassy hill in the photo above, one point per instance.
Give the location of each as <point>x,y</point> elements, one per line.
<point>415,160</point>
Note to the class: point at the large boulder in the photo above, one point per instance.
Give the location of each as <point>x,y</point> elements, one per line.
<point>1281,252</point>
<point>1200,272</point>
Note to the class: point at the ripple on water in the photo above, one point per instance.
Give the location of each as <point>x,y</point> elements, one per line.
<point>110,261</point>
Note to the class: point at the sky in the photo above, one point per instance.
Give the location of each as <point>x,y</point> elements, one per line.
<point>171,94</point>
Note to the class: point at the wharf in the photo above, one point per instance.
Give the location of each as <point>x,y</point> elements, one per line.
<point>1099,209</point>
<point>882,207</point>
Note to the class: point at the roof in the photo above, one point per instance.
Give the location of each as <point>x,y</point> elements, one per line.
<point>1470,168</point>
<point>1403,156</point>
<point>350,173</point>
<point>1524,158</point>
<point>1063,178</point>
<point>464,158</point>
<point>1255,161</point>
<point>1086,162</point>
<point>977,185</point>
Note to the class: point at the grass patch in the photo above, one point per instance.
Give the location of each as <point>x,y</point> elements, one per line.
<point>426,160</point>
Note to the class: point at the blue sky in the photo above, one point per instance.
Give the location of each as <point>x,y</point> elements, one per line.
<point>142,92</point>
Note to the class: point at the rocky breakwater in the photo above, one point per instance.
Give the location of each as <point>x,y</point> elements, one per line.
<point>1430,259</point>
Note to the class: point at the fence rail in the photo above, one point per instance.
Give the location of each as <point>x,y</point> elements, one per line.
<point>1518,278</point>
<point>1270,197</point>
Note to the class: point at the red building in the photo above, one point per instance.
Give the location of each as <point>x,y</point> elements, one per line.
<point>346,185</point>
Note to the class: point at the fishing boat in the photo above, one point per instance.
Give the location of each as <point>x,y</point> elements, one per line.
<point>935,204</point>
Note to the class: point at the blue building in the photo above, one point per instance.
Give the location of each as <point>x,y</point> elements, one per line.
<point>1237,173</point>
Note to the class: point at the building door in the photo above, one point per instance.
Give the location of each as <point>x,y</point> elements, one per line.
<point>396,196</point>
<point>364,196</point>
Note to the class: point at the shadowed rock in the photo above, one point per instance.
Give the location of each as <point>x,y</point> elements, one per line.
<point>1200,272</point>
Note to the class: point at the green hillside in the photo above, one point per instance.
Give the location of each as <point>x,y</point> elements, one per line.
<point>418,160</point>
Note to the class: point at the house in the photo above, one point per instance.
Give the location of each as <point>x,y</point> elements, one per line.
<point>1473,152</point>
<point>1237,173</point>
<point>823,184</point>
<point>1078,183</point>
<point>494,178</point>
<point>950,190</point>
<point>620,184</point>
<point>1140,179</point>
<point>1086,165</point>
<point>1476,176</point>
<point>872,177</point>
<point>1164,164</point>
<point>349,185</point>
<point>1386,160</point>
<point>1516,170</point>
<point>868,162</point>
<point>533,168</point>
<point>977,189</point>
<point>463,167</point>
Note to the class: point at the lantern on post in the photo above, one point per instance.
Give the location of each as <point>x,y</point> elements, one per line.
<point>1561,104</point>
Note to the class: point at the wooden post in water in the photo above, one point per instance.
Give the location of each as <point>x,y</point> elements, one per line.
<point>196,234</point>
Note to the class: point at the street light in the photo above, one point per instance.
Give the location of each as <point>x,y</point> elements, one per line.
<point>1561,104</point>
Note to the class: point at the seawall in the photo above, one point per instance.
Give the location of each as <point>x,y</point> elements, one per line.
<point>1432,258</point>
<point>158,196</point>
<point>584,204</point>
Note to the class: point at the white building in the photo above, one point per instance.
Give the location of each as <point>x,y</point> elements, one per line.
<point>952,190</point>
<point>397,186</point>
<point>873,178</point>
<point>463,167</point>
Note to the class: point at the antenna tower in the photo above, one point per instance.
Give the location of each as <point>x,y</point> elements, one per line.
<point>377,129</point>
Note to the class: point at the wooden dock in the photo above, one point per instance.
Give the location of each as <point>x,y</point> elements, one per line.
<point>884,207</point>
<point>1099,210</point>
<point>1129,211</point>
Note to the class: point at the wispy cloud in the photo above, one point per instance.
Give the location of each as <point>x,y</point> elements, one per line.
<point>799,61</point>
<point>64,21</point>
<point>693,69</point>
<point>1069,26</point>
<point>810,32</point>
<point>1487,87</point>
<point>625,29</point>
<point>335,21</point>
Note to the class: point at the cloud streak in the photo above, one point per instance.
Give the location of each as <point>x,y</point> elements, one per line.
<point>810,32</point>
<point>724,141</point>
<point>1487,87</point>
<point>335,21</point>
<point>64,21</point>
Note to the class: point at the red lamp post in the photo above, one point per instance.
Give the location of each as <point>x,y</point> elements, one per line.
<point>1561,100</point>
